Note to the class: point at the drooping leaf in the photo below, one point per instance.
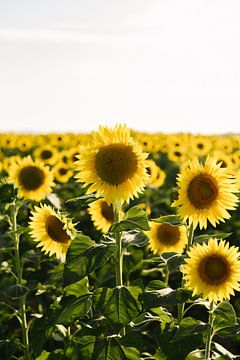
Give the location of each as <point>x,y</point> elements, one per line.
<point>134,238</point>
<point>169,219</point>
<point>108,349</point>
<point>205,237</point>
<point>189,327</point>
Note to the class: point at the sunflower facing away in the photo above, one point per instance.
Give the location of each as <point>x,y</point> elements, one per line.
<point>113,164</point>
<point>101,214</point>
<point>53,231</point>
<point>34,179</point>
<point>164,237</point>
<point>213,270</point>
<point>206,192</point>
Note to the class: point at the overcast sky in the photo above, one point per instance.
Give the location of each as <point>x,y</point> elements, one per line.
<point>156,65</point>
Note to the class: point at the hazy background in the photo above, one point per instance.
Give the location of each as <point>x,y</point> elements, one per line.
<point>157,65</point>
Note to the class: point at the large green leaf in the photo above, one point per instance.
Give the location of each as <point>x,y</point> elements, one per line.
<point>205,237</point>
<point>135,218</point>
<point>74,309</point>
<point>78,288</point>
<point>165,297</point>
<point>85,256</point>
<point>108,349</point>
<point>224,316</point>
<point>189,327</point>
<point>118,305</point>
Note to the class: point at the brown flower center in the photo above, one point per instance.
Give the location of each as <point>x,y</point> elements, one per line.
<point>54,228</point>
<point>63,171</point>
<point>202,191</point>
<point>46,154</point>
<point>31,177</point>
<point>168,234</point>
<point>107,211</point>
<point>214,269</point>
<point>115,163</point>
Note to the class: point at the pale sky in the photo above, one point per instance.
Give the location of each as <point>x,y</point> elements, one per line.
<point>156,65</point>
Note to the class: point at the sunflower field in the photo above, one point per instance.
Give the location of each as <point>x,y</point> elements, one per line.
<point>119,245</point>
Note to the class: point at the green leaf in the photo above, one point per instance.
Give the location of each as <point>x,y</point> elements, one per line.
<point>196,355</point>
<point>135,218</point>
<point>173,260</point>
<point>224,316</point>
<point>143,321</point>
<point>16,291</point>
<point>84,347</point>
<point>134,238</point>
<point>189,327</point>
<point>85,256</point>
<point>79,288</point>
<point>132,346</point>
<point>109,349</point>
<point>156,285</point>
<point>118,305</point>
<point>74,309</point>
<point>82,197</point>
<point>169,219</point>
<point>165,297</point>
<point>204,238</point>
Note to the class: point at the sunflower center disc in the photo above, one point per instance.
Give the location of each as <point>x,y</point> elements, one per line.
<point>214,270</point>
<point>202,191</point>
<point>31,178</point>
<point>54,228</point>
<point>107,211</point>
<point>46,154</point>
<point>115,163</point>
<point>168,234</point>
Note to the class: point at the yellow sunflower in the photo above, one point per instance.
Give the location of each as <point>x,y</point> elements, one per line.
<point>152,170</point>
<point>101,214</point>
<point>47,154</point>
<point>62,172</point>
<point>212,270</point>
<point>206,192</point>
<point>114,164</point>
<point>164,237</point>
<point>34,179</point>
<point>53,231</point>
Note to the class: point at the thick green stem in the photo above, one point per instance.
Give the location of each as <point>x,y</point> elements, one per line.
<point>190,236</point>
<point>19,272</point>
<point>209,333</point>
<point>166,278</point>
<point>119,254</point>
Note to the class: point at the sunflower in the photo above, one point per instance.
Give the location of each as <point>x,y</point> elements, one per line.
<point>164,237</point>
<point>114,164</point>
<point>152,170</point>
<point>212,270</point>
<point>101,214</point>
<point>33,178</point>
<point>160,178</point>
<point>53,231</point>
<point>48,154</point>
<point>62,172</point>
<point>205,192</point>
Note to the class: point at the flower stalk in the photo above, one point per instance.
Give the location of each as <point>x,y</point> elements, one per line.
<point>209,332</point>
<point>19,271</point>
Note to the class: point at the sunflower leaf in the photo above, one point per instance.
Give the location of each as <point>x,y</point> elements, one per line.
<point>189,327</point>
<point>136,218</point>
<point>85,256</point>
<point>165,297</point>
<point>134,238</point>
<point>169,219</point>
<point>205,237</point>
<point>225,316</point>
<point>108,349</point>
<point>118,305</point>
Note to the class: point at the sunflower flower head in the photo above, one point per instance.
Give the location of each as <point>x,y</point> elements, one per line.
<point>33,179</point>
<point>206,193</point>
<point>113,164</point>
<point>164,237</point>
<point>212,270</point>
<point>52,231</point>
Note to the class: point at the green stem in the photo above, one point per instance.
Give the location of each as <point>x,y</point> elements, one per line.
<point>119,254</point>
<point>189,244</point>
<point>19,272</point>
<point>190,236</point>
<point>210,333</point>
<point>166,279</point>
